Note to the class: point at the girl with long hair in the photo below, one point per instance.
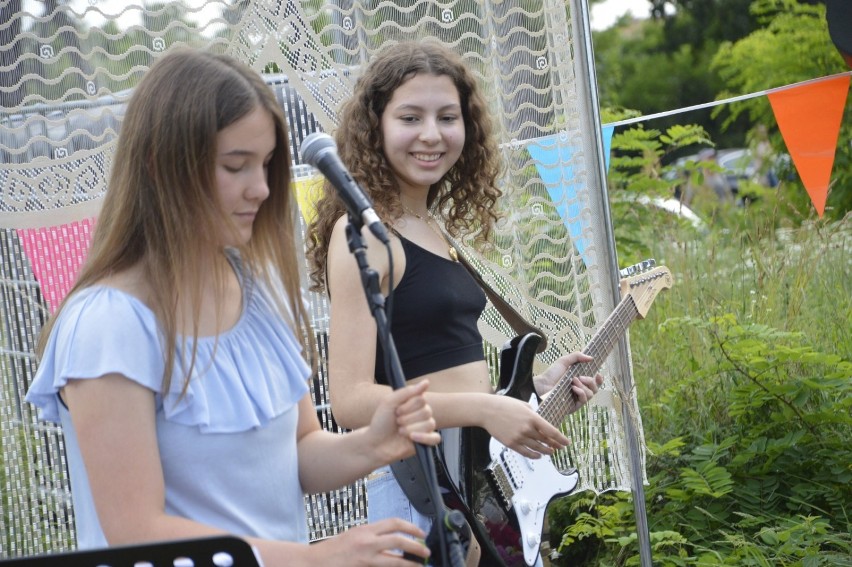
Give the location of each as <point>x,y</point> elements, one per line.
<point>178,364</point>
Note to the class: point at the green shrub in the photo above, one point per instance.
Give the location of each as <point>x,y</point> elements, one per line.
<point>744,380</point>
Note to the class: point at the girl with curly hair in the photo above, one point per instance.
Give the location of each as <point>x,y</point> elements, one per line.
<point>417,137</point>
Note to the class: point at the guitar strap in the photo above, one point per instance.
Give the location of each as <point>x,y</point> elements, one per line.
<point>409,475</point>
<point>509,313</point>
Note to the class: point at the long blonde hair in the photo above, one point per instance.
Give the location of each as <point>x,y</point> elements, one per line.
<point>465,196</point>
<point>162,209</point>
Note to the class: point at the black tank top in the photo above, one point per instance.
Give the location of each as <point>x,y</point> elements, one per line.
<point>435,309</point>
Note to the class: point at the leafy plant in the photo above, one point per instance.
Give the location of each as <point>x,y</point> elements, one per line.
<point>792,45</point>
<point>745,390</point>
<point>638,179</point>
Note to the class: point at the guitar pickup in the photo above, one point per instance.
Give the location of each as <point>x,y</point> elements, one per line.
<point>501,484</point>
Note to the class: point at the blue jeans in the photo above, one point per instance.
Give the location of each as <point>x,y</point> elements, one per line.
<point>385,499</point>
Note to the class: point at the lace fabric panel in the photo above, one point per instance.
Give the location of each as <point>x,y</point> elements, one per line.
<point>66,72</point>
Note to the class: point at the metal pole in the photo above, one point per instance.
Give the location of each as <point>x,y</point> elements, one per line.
<point>587,91</point>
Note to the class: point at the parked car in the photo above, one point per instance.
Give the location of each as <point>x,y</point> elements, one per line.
<point>724,171</point>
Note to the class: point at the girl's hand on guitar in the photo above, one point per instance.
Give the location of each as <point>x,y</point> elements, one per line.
<point>584,386</point>
<point>517,426</point>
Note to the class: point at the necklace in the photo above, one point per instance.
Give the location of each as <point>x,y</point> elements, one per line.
<point>451,250</point>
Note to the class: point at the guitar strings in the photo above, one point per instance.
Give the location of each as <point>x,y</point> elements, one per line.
<point>556,407</point>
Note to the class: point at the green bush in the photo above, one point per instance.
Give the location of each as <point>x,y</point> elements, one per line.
<point>744,387</point>
<point>744,380</point>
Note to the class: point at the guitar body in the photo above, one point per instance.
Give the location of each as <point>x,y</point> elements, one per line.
<point>508,523</point>
<point>503,495</point>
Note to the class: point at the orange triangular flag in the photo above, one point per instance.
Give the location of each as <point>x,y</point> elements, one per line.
<point>809,117</point>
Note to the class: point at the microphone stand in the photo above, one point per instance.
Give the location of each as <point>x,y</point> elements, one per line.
<point>444,534</point>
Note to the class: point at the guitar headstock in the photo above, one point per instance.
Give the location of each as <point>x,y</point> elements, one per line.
<point>643,281</point>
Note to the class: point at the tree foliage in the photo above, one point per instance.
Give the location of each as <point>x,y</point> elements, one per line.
<point>696,51</point>
<point>701,22</point>
<point>743,368</point>
<point>664,63</point>
<point>743,374</point>
<point>792,46</point>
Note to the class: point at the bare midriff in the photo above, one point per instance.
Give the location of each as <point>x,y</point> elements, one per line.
<point>470,377</point>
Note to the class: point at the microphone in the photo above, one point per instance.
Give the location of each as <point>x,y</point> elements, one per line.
<point>320,151</point>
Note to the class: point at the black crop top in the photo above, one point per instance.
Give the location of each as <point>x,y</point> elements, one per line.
<point>435,309</point>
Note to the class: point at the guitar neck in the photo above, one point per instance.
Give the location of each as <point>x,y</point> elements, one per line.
<point>562,400</point>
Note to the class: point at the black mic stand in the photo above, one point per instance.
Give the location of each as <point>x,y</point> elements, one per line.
<point>444,535</point>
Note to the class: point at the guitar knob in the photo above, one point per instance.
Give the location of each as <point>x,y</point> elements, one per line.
<point>533,539</point>
<point>524,507</point>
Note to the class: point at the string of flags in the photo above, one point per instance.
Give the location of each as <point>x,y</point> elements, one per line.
<point>809,115</point>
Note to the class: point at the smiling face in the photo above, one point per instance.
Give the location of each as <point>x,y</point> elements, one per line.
<point>244,150</point>
<point>423,131</point>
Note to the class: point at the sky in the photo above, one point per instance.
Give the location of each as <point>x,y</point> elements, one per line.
<point>604,14</point>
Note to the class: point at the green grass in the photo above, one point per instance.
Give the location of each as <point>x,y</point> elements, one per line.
<point>744,378</point>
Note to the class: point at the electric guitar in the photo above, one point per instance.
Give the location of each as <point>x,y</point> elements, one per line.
<point>504,495</point>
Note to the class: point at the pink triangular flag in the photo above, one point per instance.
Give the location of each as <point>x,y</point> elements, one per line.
<point>56,254</point>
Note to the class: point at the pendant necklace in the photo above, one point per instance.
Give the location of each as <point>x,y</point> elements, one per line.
<point>451,250</point>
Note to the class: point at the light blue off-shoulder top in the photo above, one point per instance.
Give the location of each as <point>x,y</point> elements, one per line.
<point>228,447</point>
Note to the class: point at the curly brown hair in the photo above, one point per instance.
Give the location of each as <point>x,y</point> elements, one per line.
<point>464,198</point>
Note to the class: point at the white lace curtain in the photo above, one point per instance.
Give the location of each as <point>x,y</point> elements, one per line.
<point>66,71</point>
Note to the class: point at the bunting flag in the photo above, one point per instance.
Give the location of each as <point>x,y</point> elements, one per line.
<point>554,166</point>
<point>606,132</point>
<point>811,112</point>
<point>809,118</point>
<point>308,193</point>
<point>56,254</point>
<point>838,16</point>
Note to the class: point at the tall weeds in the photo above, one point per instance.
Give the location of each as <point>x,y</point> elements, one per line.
<point>744,376</point>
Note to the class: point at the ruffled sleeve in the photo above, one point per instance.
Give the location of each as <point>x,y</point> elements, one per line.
<point>100,331</point>
<point>253,373</point>
<point>241,379</point>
